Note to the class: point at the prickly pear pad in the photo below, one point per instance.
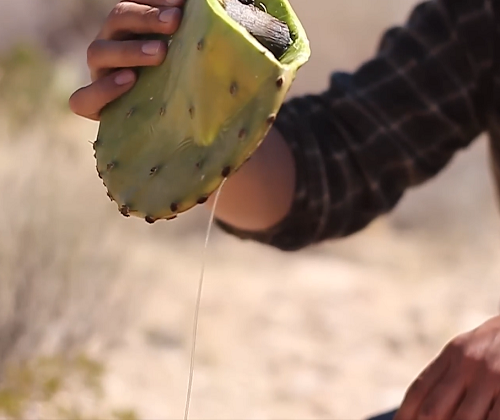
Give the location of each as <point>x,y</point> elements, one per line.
<point>169,142</point>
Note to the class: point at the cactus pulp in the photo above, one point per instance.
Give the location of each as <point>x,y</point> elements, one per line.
<point>168,143</point>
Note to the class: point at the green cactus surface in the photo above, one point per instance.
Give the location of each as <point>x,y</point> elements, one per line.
<point>187,124</point>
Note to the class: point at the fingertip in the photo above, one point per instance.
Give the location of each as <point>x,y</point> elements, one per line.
<point>73,101</point>
<point>125,77</point>
<point>170,19</point>
<point>88,101</point>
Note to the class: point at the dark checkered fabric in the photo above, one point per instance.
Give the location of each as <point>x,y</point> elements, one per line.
<point>431,89</point>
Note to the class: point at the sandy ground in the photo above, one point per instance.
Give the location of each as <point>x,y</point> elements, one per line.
<point>337,331</point>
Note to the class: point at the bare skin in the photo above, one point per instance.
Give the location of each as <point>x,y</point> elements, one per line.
<point>463,382</point>
<point>259,195</point>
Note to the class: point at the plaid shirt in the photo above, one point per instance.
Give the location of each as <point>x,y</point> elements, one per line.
<point>431,89</point>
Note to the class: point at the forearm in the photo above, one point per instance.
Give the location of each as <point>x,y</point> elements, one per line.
<point>392,124</point>
<point>260,194</point>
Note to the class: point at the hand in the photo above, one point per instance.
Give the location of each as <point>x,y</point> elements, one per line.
<point>113,49</point>
<point>463,382</point>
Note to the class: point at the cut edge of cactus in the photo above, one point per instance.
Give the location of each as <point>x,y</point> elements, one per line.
<point>299,51</point>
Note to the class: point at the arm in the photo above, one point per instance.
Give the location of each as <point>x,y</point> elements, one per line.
<point>336,161</point>
<point>393,124</point>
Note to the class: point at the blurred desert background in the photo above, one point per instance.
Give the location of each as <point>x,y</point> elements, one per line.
<point>96,310</point>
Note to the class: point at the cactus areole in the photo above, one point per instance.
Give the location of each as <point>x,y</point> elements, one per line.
<point>169,142</point>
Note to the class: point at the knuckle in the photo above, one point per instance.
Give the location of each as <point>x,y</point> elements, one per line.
<point>143,17</point>
<point>458,342</point>
<point>151,18</point>
<point>151,13</point>
<point>475,357</point>
<point>119,10</point>
<point>415,389</point>
<point>458,345</point>
<point>469,352</point>
<point>117,13</point>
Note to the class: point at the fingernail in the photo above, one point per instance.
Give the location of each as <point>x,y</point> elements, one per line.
<point>167,15</point>
<point>124,78</point>
<point>151,47</point>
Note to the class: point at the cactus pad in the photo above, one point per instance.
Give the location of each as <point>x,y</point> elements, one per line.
<point>168,143</point>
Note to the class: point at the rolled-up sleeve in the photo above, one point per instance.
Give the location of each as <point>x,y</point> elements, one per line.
<point>392,124</point>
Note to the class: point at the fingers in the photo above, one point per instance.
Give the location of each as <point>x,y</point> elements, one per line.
<point>420,388</point>
<point>477,402</point>
<point>132,18</point>
<point>444,399</point>
<point>104,55</point>
<point>114,49</point>
<point>88,101</point>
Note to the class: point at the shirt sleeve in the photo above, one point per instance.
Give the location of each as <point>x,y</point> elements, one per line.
<point>392,124</point>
